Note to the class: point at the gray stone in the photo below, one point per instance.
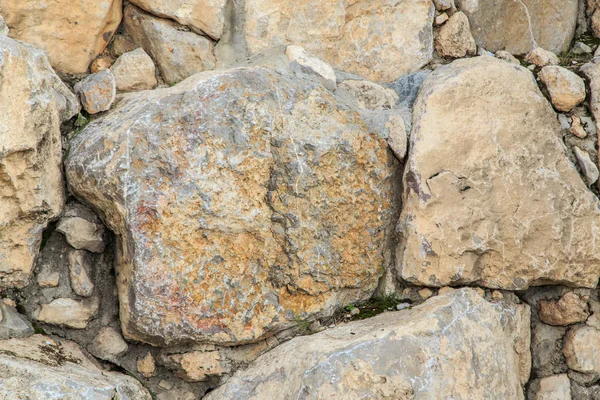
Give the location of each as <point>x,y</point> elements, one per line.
<point>407,88</point>
<point>134,70</point>
<point>82,234</point>
<point>546,349</point>
<point>109,344</point>
<point>506,56</point>
<point>298,58</point>
<point>68,312</point>
<point>590,170</point>
<point>556,387</point>
<point>3,27</point>
<point>13,324</point>
<point>80,272</point>
<point>97,92</point>
<point>581,48</point>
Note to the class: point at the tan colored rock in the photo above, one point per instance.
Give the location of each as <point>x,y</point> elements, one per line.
<point>298,57</point>
<point>566,88</point>
<point>13,324</point>
<point>380,40</point>
<point>147,366</point>
<point>454,39</point>
<point>582,349</point>
<point>506,56</point>
<point>398,137</point>
<point>291,210</point>
<point>68,312</point>
<point>490,196</point>
<point>48,279</point>
<point>120,45</point>
<point>41,367</point>
<point>177,53</point>
<point>79,273</point>
<point>455,346</point>
<point>440,19</point>
<point>595,23</point>
<point>134,71</point>
<point>570,309</point>
<point>109,344</point>
<point>198,366</point>
<point>71,32</point>
<point>425,293</point>
<point>81,233</point>
<point>518,26</point>
<point>555,387</point>
<point>97,92</point>
<point>369,95</point>
<point>541,57</point>
<point>35,103</point>
<point>588,167</point>
<point>101,63</point>
<point>203,16</point>
<point>576,128</point>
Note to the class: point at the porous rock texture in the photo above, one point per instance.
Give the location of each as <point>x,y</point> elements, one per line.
<point>477,217</point>
<point>34,102</point>
<point>455,345</point>
<point>71,32</point>
<point>43,367</point>
<point>242,201</point>
<point>379,40</point>
<point>519,26</point>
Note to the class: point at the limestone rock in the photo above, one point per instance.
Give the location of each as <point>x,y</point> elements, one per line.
<point>34,104</point>
<point>546,349</point>
<point>589,168</point>
<point>582,350</point>
<point>541,57</point>
<point>297,56</point>
<point>134,70</point>
<point>147,366</point>
<point>178,53</point>
<point>454,38</point>
<point>519,26</point>
<point>41,367</point>
<point>68,312</point>
<point>577,129</point>
<point>570,309</point>
<point>47,279</point>
<point>442,5</point>
<point>13,324</point>
<point>400,355</point>
<point>109,344</point>
<point>198,366</point>
<point>556,387</point>
<point>71,32</point>
<point>3,27</point>
<point>506,56</point>
<point>397,138</point>
<point>101,63</point>
<point>97,92</point>
<point>511,211</point>
<point>440,19</point>
<point>82,233</point>
<point>566,89</point>
<point>79,273</point>
<point>204,16</point>
<point>252,199</point>
<point>380,40</point>
<point>369,95</point>
<point>120,45</point>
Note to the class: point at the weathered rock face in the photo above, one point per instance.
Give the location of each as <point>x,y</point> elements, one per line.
<point>204,16</point>
<point>455,346</point>
<point>34,103</point>
<point>178,53</point>
<point>242,200</point>
<point>41,367</point>
<point>511,211</point>
<point>522,25</point>
<point>72,33</point>
<point>380,40</point>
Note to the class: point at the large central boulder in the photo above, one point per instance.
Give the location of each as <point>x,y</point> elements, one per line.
<point>243,201</point>
<point>454,346</point>
<point>490,196</point>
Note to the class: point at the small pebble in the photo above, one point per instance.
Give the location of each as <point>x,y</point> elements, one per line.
<point>402,306</point>
<point>581,48</point>
<point>354,312</point>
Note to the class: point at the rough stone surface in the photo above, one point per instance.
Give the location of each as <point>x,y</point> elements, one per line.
<point>582,349</point>
<point>556,387</point>
<point>506,56</point>
<point>82,233</point>
<point>79,273</point>
<point>134,70</point>
<point>577,128</point>
<point>13,324</point>
<point>566,89</point>
<point>519,26</point>
<point>97,92</point>
<point>197,366</point>
<point>380,40</point>
<point>512,211</point>
<point>41,367</point>
<point>415,353</point>
<point>109,344</point>
<point>147,365</point>
<point>454,38</point>
<point>298,57</point>
<point>34,103</point>
<point>541,57</point>
<point>68,312</point>
<point>177,53</point>
<point>569,309</point>
<point>589,168</point>
<point>204,16</point>
<point>71,32</point>
<point>4,29</point>
<point>546,349</point>
<point>242,201</point>
<point>369,95</point>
